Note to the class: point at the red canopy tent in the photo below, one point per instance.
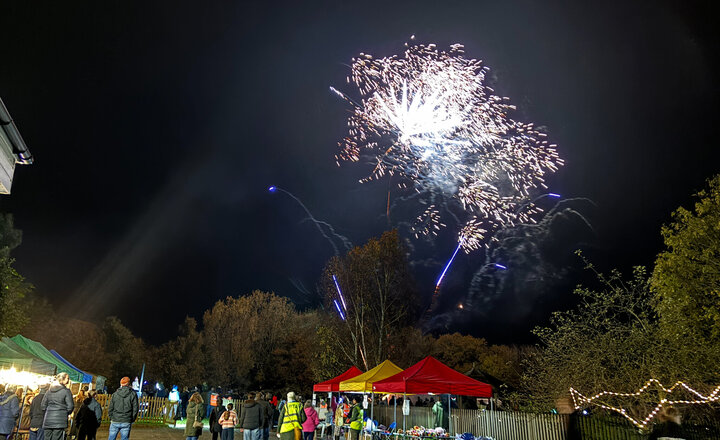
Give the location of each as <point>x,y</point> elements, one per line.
<point>333,385</point>
<point>432,376</point>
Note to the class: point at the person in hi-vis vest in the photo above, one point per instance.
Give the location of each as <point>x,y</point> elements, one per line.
<point>292,416</point>
<point>357,415</point>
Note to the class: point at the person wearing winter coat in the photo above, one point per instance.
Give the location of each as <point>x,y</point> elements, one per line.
<point>252,419</point>
<point>9,411</point>
<point>95,406</point>
<point>37,416</point>
<point>339,420</point>
<point>261,399</point>
<point>291,418</point>
<point>441,414</point>
<point>184,398</point>
<point>356,419</point>
<point>214,420</point>
<point>195,413</point>
<point>58,405</point>
<point>87,419</point>
<point>25,412</point>
<point>123,410</point>
<point>228,421</point>
<point>312,421</point>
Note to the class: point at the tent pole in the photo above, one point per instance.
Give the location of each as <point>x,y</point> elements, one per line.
<point>372,407</point>
<point>404,398</point>
<point>449,416</point>
<point>395,411</point>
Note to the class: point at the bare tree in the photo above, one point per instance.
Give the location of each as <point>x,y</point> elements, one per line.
<point>378,296</point>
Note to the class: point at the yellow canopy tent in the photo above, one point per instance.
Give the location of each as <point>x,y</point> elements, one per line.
<point>364,382</point>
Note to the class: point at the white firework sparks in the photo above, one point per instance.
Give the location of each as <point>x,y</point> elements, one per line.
<point>428,118</point>
<point>427,223</point>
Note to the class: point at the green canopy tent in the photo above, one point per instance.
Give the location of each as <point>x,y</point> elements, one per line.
<point>12,355</point>
<point>38,350</point>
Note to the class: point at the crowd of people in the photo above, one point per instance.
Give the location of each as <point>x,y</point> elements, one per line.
<point>51,410</point>
<point>258,413</point>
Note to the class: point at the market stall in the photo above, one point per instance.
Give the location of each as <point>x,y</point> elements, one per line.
<point>86,377</point>
<point>13,356</point>
<point>333,385</point>
<point>39,351</point>
<point>363,383</point>
<point>430,376</point>
<point>25,380</point>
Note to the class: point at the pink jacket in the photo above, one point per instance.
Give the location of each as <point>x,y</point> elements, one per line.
<point>312,420</point>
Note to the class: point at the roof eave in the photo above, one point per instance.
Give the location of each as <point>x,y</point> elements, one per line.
<point>20,149</point>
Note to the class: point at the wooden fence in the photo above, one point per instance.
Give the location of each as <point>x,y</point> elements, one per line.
<point>152,410</point>
<point>511,425</point>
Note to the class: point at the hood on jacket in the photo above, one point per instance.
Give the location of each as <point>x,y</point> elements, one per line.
<point>56,387</point>
<point>249,403</point>
<point>87,401</point>
<point>7,396</point>
<point>124,391</point>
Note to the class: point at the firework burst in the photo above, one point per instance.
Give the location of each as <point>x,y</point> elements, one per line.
<point>428,118</point>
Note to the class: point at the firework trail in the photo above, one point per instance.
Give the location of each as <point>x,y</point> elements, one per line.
<point>427,118</point>
<point>533,254</point>
<point>521,246</point>
<point>306,296</point>
<point>325,228</point>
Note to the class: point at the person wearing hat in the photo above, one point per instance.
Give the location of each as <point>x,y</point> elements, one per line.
<point>123,410</point>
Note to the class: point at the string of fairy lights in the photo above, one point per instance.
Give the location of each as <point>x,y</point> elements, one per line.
<point>579,399</point>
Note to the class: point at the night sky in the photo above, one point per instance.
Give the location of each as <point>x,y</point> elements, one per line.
<point>158,126</point>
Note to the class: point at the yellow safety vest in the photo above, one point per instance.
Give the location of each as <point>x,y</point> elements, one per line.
<point>358,424</point>
<point>291,419</point>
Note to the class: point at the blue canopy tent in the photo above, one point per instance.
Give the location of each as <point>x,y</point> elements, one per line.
<point>86,377</point>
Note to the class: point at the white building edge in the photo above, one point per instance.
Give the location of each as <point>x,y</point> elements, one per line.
<point>12,150</point>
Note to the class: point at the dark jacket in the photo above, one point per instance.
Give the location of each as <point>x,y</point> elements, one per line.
<point>36,412</point>
<point>356,417</point>
<point>214,419</point>
<point>252,415</point>
<point>97,409</point>
<point>123,406</point>
<point>194,412</point>
<point>85,418</point>
<point>269,411</point>
<point>9,412</point>
<point>58,405</point>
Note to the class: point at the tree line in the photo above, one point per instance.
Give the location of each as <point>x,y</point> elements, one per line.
<point>662,323</point>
